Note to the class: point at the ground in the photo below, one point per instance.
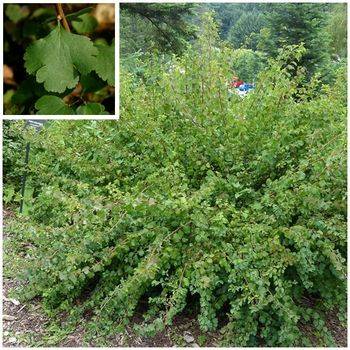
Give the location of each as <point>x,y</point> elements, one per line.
<point>26,324</point>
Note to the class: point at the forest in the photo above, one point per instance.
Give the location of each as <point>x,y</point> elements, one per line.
<point>213,212</point>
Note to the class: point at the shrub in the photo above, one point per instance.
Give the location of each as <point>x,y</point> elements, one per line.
<point>238,202</point>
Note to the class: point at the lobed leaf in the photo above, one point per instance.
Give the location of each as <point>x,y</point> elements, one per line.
<point>85,24</point>
<point>92,109</point>
<point>52,105</point>
<point>57,59</point>
<point>105,63</point>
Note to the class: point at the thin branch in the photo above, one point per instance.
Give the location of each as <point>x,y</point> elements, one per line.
<point>61,16</point>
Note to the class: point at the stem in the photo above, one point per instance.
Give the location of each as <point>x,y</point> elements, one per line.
<point>61,16</point>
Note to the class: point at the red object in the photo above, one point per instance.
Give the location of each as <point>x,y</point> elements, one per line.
<point>235,82</point>
<point>238,83</point>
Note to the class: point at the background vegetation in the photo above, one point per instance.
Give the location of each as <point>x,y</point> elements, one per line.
<point>261,28</point>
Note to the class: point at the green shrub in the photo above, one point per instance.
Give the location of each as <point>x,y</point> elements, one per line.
<point>241,203</point>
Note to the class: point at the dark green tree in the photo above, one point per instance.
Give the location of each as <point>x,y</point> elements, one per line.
<point>228,15</point>
<point>244,31</point>
<point>296,23</point>
<point>166,24</point>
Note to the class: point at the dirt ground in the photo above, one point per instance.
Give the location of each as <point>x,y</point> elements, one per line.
<point>25,324</point>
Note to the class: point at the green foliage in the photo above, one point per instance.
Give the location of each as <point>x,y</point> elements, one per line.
<point>244,31</point>
<point>91,82</point>
<point>28,91</point>
<point>52,105</point>
<point>337,29</point>
<point>16,13</point>
<point>247,64</point>
<point>240,203</point>
<point>85,23</point>
<point>295,24</point>
<point>162,26</point>
<point>104,66</point>
<point>58,61</point>
<point>13,152</point>
<point>230,14</point>
<point>92,108</point>
<point>270,27</point>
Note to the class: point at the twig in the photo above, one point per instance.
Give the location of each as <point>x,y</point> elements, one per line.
<point>61,16</point>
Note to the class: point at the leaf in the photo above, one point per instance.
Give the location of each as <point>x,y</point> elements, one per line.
<point>24,93</point>
<point>105,63</point>
<point>79,13</point>
<point>15,12</point>
<point>91,82</point>
<point>52,105</point>
<point>8,95</point>
<point>86,24</point>
<point>43,12</point>
<point>92,109</point>
<point>28,90</point>
<point>9,192</point>
<point>56,59</point>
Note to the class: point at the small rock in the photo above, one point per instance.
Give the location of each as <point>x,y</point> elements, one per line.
<point>12,340</point>
<point>8,318</point>
<point>195,345</point>
<point>188,337</point>
<point>6,333</point>
<point>15,302</point>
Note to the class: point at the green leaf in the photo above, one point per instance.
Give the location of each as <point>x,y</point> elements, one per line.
<point>56,59</point>
<point>105,63</point>
<point>92,109</point>
<point>85,24</point>
<point>28,90</point>
<point>15,12</point>
<point>62,276</point>
<point>9,192</point>
<point>23,94</point>
<point>52,105</point>
<point>8,95</point>
<point>79,13</point>
<point>43,12</point>
<point>91,82</point>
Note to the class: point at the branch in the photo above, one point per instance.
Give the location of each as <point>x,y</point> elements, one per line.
<point>162,32</point>
<point>61,16</point>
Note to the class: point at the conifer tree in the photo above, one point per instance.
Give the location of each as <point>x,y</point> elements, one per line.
<point>168,21</point>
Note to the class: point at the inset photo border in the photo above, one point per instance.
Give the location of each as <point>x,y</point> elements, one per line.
<point>59,59</point>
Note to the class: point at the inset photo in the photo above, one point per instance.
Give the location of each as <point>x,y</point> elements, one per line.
<point>59,59</point>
